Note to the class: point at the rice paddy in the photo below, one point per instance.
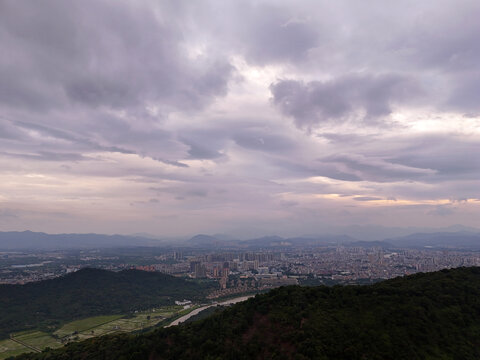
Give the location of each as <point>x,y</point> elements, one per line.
<point>35,341</point>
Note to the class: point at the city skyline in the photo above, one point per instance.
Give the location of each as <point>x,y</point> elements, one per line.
<point>246,118</point>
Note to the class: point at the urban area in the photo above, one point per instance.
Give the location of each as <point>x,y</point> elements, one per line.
<point>240,272</point>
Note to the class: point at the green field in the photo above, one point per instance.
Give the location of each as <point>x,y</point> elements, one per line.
<point>139,321</point>
<point>88,324</point>
<point>11,348</point>
<point>37,339</point>
<point>23,342</point>
<point>87,328</point>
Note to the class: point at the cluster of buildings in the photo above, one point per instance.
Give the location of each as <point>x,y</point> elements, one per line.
<point>355,263</point>
<point>243,271</point>
<point>336,263</point>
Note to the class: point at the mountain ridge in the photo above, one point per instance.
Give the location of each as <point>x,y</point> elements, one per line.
<point>29,240</point>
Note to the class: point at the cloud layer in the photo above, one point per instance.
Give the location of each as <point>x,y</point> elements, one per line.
<point>252,117</point>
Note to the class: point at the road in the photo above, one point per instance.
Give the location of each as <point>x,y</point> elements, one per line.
<point>196,311</point>
<point>24,344</point>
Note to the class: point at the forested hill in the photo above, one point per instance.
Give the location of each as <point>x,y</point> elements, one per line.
<point>424,316</point>
<point>88,292</point>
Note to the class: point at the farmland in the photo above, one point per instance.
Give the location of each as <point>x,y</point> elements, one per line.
<point>11,348</point>
<point>35,341</point>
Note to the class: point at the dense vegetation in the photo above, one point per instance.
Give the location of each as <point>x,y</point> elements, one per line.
<point>424,316</point>
<point>89,292</point>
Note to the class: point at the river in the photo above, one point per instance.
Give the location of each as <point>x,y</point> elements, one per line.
<point>196,311</point>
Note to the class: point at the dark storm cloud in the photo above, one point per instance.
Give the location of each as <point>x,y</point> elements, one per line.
<point>339,99</point>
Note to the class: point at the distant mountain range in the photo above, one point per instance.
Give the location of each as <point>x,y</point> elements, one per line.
<point>460,239</point>
<point>212,241</point>
<point>202,240</point>
<point>376,232</point>
<point>28,240</point>
<point>277,241</point>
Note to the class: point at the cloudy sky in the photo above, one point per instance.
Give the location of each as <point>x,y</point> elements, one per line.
<point>240,117</point>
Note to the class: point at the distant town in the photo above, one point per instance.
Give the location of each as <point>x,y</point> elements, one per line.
<point>238,272</point>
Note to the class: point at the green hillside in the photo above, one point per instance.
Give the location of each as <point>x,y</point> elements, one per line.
<point>89,292</point>
<point>424,316</point>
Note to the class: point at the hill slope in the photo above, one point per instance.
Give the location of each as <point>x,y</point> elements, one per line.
<point>424,316</point>
<point>86,293</point>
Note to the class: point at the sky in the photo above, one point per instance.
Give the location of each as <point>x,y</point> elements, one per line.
<point>238,117</point>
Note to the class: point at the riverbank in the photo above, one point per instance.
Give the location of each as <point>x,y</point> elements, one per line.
<point>200,309</point>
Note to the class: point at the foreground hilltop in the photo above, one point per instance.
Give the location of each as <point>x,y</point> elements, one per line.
<point>423,316</point>
<point>88,292</point>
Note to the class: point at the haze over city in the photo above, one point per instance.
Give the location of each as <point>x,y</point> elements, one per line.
<point>245,118</point>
